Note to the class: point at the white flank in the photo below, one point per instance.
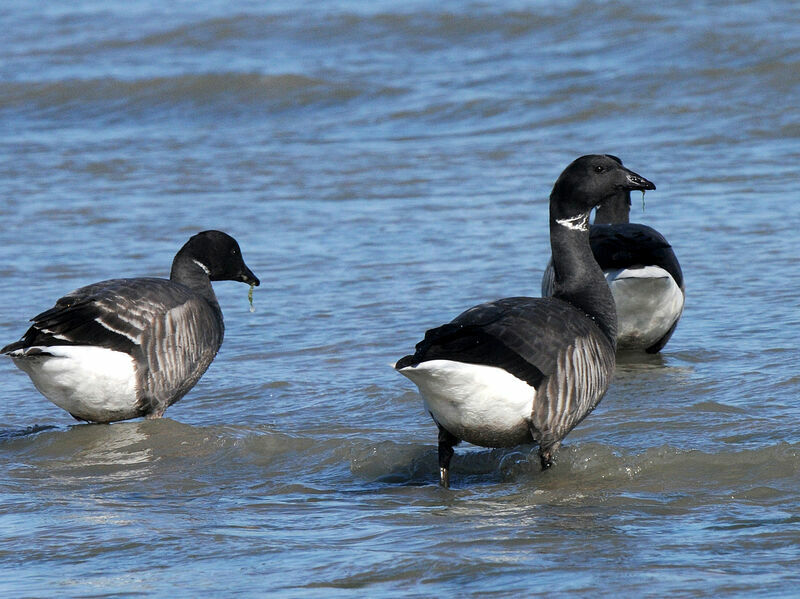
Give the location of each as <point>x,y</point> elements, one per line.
<point>648,301</point>
<point>481,404</point>
<point>576,223</point>
<point>90,382</point>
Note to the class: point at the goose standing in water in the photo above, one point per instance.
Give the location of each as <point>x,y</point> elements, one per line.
<point>520,369</point>
<point>125,348</point>
<point>642,271</point>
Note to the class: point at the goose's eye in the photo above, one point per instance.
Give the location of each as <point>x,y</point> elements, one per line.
<point>599,169</point>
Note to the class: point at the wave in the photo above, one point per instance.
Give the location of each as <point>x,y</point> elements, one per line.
<point>426,28</point>
<point>229,92</point>
<point>15,433</point>
<point>263,456</point>
<point>589,467</point>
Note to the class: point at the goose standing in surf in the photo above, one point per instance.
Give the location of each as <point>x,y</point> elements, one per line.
<point>125,348</point>
<point>642,271</point>
<point>520,369</point>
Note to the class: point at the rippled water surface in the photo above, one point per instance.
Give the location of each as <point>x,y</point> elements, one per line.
<point>385,166</point>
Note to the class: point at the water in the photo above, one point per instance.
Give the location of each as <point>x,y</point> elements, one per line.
<point>385,167</point>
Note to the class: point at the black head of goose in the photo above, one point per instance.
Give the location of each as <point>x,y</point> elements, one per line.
<point>642,271</point>
<point>125,348</point>
<point>521,370</point>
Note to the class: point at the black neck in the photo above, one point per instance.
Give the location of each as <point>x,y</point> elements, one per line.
<point>614,210</point>
<point>578,278</point>
<point>190,272</point>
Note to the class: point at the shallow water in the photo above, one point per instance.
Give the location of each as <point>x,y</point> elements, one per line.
<point>384,168</point>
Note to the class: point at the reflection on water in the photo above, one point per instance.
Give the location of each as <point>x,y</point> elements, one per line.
<point>126,444</point>
<point>630,361</point>
<point>80,453</point>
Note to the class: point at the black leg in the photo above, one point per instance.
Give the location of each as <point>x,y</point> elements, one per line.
<point>446,444</point>
<point>546,455</point>
<point>546,459</point>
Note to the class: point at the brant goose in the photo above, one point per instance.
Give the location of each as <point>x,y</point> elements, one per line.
<point>520,369</point>
<point>642,271</point>
<point>126,348</point>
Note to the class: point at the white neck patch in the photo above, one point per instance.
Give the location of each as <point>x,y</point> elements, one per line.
<point>576,223</point>
<point>203,266</point>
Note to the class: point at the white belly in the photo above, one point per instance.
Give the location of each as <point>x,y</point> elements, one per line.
<point>480,404</point>
<point>91,383</point>
<point>648,303</point>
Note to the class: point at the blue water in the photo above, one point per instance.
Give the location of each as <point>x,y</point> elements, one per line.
<point>385,167</point>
